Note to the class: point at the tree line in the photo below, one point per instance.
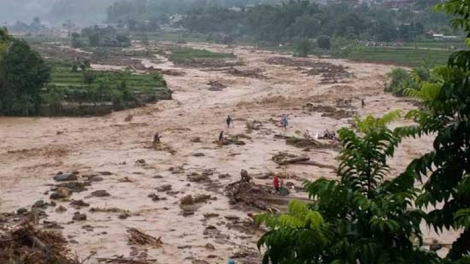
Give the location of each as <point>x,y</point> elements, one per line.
<point>304,19</point>
<point>275,22</point>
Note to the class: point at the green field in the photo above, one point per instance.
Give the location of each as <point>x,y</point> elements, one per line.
<point>169,36</point>
<point>122,88</point>
<point>447,45</point>
<point>401,56</point>
<point>188,55</point>
<point>44,39</point>
<point>64,77</point>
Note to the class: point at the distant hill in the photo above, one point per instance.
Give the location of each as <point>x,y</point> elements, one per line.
<point>81,12</point>
<point>23,10</point>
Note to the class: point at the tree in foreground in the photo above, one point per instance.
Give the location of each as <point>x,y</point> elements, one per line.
<point>362,218</point>
<point>358,218</point>
<point>23,74</point>
<point>445,171</point>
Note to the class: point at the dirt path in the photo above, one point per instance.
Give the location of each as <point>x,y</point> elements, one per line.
<point>33,150</point>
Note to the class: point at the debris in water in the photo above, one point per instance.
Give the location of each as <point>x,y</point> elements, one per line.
<point>216,86</point>
<point>61,193</point>
<point>73,186</point>
<point>100,193</point>
<point>60,176</point>
<point>77,216</point>
<point>79,203</point>
<point>125,179</point>
<point>190,200</point>
<point>283,158</point>
<point>29,245</point>
<point>164,188</point>
<point>108,210</point>
<point>251,73</point>
<point>329,111</point>
<point>128,118</point>
<point>196,140</point>
<point>123,260</point>
<point>249,193</point>
<point>138,237</point>
<point>195,177</point>
<point>176,170</point>
<point>140,162</point>
<point>210,215</point>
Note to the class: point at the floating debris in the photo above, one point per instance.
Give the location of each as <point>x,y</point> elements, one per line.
<point>140,238</point>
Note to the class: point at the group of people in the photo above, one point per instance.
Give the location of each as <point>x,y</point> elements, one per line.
<point>284,123</point>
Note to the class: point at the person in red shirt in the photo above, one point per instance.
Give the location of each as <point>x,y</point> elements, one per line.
<point>276,183</point>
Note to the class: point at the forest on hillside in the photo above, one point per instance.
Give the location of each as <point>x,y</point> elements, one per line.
<point>290,20</point>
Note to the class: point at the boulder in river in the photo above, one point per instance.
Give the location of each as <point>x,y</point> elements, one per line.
<point>60,209</point>
<point>95,179</point>
<point>79,217</point>
<point>61,177</point>
<point>164,188</point>
<point>21,211</point>
<point>39,204</point>
<point>61,193</point>
<point>100,193</point>
<point>209,246</point>
<point>79,203</point>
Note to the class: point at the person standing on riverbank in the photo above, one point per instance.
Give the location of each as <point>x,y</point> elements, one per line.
<point>229,121</point>
<point>284,121</point>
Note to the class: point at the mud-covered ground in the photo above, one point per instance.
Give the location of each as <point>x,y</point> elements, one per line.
<point>117,148</point>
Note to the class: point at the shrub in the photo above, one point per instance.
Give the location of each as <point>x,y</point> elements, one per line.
<point>398,81</point>
<point>324,42</point>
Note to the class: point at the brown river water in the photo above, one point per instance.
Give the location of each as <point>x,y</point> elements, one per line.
<point>33,150</point>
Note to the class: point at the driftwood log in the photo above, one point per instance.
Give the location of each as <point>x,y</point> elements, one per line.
<point>122,260</point>
<point>314,163</point>
<point>140,238</point>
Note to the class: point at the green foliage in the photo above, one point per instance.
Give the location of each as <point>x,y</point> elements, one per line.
<point>445,170</point>
<point>102,37</point>
<point>364,218</point>
<point>276,21</point>
<point>298,19</point>
<point>185,55</point>
<point>84,87</point>
<point>303,48</point>
<point>459,10</point>
<point>398,81</point>
<point>405,56</point>
<point>402,82</point>
<point>343,48</point>
<point>77,41</point>
<point>324,42</point>
<point>360,218</point>
<point>23,74</point>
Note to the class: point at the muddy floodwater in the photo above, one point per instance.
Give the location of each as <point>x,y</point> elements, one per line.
<point>117,149</point>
